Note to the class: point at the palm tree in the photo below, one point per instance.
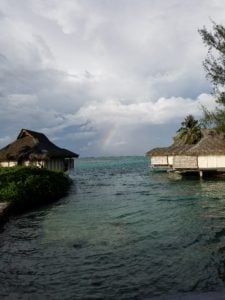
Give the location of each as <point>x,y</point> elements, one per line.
<point>189,132</point>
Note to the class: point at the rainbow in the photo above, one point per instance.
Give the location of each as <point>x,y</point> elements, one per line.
<point>108,137</point>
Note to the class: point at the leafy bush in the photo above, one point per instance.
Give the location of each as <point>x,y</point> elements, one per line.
<point>27,187</point>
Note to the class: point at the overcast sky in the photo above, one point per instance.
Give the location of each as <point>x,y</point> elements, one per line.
<point>103,77</point>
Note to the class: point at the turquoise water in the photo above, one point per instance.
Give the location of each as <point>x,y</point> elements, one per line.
<point>124,232</point>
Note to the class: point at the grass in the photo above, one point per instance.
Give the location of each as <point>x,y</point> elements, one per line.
<point>26,187</point>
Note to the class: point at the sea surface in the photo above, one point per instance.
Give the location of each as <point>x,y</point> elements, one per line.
<point>123,232</point>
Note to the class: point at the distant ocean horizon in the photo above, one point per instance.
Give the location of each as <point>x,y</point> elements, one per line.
<point>123,232</point>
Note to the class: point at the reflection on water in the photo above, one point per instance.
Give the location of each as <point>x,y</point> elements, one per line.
<point>124,232</point>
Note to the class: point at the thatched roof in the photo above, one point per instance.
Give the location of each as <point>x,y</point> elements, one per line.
<point>175,149</point>
<point>157,152</point>
<point>212,143</point>
<point>31,145</point>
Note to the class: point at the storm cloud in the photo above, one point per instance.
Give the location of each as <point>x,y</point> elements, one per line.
<point>103,77</point>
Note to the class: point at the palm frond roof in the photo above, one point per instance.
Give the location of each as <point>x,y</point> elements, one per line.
<point>212,143</point>
<point>175,149</point>
<point>32,145</point>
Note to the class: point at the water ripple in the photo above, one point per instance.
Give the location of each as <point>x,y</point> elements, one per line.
<point>124,232</point>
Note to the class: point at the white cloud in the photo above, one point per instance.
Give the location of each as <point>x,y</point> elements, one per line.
<point>160,112</point>
<point>82,70</point>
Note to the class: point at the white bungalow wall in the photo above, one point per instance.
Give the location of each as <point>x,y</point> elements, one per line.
<point>185,162</point>
<point>170,160</point>
<point>70,163</point>
<point>211,162</point>
<point>52,164</point>
<point>159,160</point>
<point>55,165</point>
<point>39,164</point>
<point>59,164</point>
<point>8,163</point>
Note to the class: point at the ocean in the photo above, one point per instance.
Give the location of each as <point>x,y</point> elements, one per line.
<point>123,232</point>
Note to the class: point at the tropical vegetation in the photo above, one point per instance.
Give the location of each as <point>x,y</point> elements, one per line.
<point>214,65</point>
<point>189,132</point>
<point>25,187</point>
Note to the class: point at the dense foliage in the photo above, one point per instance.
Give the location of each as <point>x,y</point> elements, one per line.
<point>189,132</point>
<point>214,65</point>
<point>27,187</point>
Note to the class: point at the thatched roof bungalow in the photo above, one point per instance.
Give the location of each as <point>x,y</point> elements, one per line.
<point>207,154</point>
<point>159,157</point>
<point>34,148</point>
<point>164,157</point>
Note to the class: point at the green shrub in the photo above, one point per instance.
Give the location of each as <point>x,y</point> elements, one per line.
<point>25,187</point>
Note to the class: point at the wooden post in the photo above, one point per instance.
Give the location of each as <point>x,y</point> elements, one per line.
<point>201,173</point>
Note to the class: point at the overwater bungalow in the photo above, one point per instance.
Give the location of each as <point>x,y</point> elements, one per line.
<point>206,156</point>
<point>163,158</point>
<point>159,158</point>
<point>35,149</point>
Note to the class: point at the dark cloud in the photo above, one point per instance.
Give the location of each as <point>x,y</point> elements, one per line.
<point>95,74</point>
